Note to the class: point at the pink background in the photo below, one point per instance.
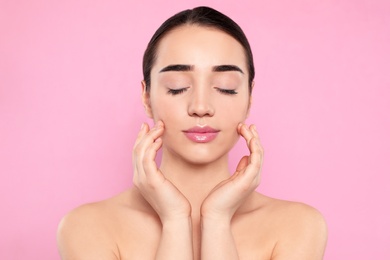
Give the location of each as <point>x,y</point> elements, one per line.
<point>70,109</point>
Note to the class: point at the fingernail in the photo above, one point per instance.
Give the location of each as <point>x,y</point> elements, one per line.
<point>142,126</point>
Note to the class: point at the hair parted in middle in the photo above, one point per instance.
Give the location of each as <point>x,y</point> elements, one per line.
<point>201,16</point>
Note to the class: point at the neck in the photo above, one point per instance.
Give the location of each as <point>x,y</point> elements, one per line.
<point>194,180</point>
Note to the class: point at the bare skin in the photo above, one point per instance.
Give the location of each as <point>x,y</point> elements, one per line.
<point>126,227</point>
<point>191,206</point>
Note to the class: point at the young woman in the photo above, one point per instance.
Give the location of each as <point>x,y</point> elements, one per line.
<point>198,78</point>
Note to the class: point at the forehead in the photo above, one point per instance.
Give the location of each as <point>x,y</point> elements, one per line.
<point>199,46</point>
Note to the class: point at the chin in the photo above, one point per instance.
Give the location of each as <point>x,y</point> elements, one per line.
<point>200,161</point>
<point>200,154</point>
<point>204,159</point>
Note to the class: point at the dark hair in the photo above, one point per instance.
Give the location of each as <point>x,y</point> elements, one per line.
<point>202,16</point>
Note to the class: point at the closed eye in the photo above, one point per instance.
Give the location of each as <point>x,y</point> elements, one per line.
<point>176,91</point>
<point>227,91</point>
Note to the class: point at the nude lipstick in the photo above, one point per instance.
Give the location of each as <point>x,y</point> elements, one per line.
<point>201,134</point>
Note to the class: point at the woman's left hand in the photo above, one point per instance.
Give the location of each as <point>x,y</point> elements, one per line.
<point>227,196</point>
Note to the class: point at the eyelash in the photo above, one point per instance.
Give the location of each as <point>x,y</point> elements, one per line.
<point>227,91</point>
<point>221,90</point>
<point>177,91</point>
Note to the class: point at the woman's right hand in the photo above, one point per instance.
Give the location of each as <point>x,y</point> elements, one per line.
<point>169,203</point>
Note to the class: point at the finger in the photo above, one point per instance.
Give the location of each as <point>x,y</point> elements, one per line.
<point>253,129</point>
<point>239,126</point>
<point>150,137</point>
<point>148,162</point>
<point>144,130</point>
<point>246,133</point>
<point>242,164</point>
<point>146,141</point>
<point>256,155</point>
<point>136,150</point>
<point>255,159</point>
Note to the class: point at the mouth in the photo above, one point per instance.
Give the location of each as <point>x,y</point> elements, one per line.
<point>199,134</point>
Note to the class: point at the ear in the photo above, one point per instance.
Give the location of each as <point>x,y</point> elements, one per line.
<point>250,100</point>
<point>146,100</point>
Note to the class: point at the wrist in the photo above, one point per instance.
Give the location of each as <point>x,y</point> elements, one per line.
<point>215,222</point>
<point>172,217</point>
<point>172,223</point>
<point>215,217</point>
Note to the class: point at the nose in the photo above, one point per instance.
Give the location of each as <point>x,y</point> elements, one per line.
<point>200,104</point>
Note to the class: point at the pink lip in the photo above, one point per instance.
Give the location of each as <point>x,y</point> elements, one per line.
<point>201,134</point>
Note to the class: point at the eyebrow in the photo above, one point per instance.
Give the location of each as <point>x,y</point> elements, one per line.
<point>177,67</point>
<point>222,68</point>
<point>185,67</point>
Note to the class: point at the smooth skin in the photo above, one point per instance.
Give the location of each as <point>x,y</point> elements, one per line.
<point>191,206</point>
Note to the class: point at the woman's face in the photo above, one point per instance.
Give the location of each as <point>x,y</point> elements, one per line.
<point>199,89</point>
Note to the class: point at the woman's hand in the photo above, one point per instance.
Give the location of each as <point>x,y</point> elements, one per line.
<point>227,196</point>
<point>169,203</point>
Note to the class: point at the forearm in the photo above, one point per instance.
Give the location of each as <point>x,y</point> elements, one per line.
<point>176,240</point>
<point>217,241</point>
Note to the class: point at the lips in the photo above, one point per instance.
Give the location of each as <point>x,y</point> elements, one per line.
<point>201,134</point>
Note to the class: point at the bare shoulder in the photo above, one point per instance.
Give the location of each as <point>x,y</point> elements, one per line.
<point>93,231</point>
<point>301,229</point>
<point>288,212</point>
<point>83,234</point>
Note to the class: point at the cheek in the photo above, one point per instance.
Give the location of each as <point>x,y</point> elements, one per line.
<point>166,111</point>
<point>159,107</point>
<point>236,112</point>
